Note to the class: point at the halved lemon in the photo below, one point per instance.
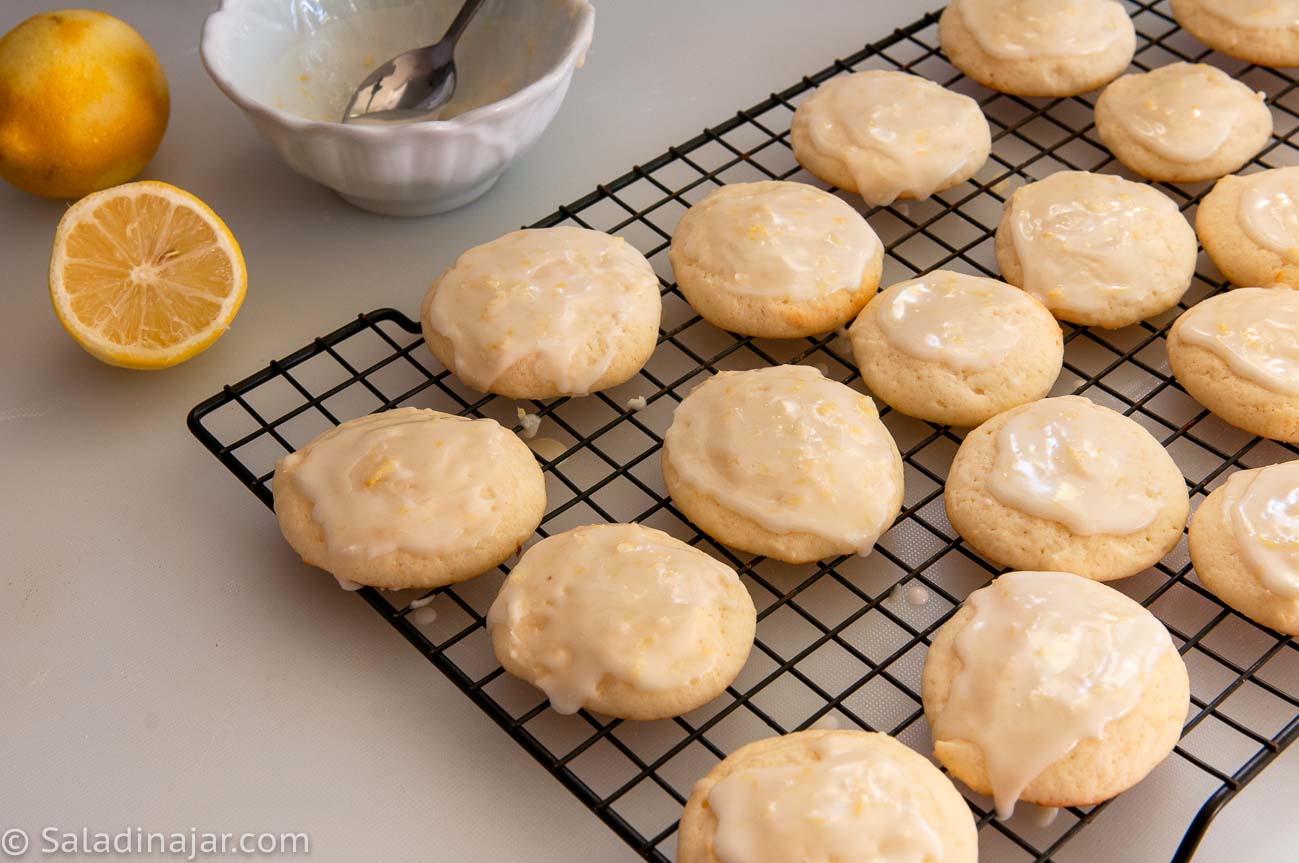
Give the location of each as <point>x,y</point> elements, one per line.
<point>145,275</point>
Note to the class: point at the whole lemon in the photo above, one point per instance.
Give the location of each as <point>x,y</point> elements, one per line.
<point>83,103</point>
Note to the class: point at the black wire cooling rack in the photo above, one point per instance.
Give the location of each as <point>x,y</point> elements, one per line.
<point>838,643</point>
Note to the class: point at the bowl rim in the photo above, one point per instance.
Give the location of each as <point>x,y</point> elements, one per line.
<point>571,59</point>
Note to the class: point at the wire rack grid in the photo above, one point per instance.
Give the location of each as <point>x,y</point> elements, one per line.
<point>839,644</point>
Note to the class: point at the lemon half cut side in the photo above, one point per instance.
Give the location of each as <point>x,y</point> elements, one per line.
<point>145,275</point>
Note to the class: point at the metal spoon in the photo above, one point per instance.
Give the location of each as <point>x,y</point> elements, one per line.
<point>415,85</point>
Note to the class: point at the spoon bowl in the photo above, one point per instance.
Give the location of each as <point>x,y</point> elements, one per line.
<point>415,85</point>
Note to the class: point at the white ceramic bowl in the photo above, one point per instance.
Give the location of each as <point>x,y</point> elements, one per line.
<point>290,65</point>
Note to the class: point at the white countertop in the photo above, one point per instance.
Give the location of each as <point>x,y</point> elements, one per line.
<point>166,662</point>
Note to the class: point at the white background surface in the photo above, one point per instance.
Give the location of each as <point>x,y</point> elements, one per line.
<point>165,661</point>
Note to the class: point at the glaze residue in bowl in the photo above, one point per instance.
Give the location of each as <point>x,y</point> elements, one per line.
<point>504,50</point>
<point>290,66</point>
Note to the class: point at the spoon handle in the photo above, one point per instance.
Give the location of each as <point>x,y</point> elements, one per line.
<point>463,17</point>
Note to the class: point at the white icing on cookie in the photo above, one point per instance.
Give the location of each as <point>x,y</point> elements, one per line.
<point>1071,461</point>
<point>850,804</point>
<point>1048,660</point>
<point>964,322</point>
<point>1038,29</point>
<point>897,135</point>
<point>1086,241</point>
<point>791,450</point>
<point>777,240</point>
<point>614,600</point>
<point>1263,508</point>
<point>541,293</point>
<point>1255,331</point>
<point>1269,211</point>
<point>1256,13</point>
<point>403,480</point>
<point>1184,112</point>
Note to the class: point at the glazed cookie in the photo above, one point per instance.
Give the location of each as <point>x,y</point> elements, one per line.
<point>783,462</point>
<point>546,312</point>
<point>1265,32</point>
<point>1068,485</point>
<point>775,259</point>
<point>1038,47</point>
<point>889,135</point>
<point>1245,544</point>
<point>850,796</point>
<point>1238,355</point>
<point>956,349</point>
<point>1052,689</point>
<point>1098,250</point>
<point>623,620</point>
<point>409,498</point>
<point>1249,226</point>
<point>1182,123</point>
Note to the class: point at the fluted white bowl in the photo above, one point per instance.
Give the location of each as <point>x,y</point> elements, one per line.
<point>290,65</point>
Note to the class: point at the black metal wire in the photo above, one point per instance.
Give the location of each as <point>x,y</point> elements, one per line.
<point>378,361</point>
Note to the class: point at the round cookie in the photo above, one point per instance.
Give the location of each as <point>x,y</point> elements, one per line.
<point>409,498</point>
<point>1265,32</point>
<point>775,259</point>
<point>889,135</point>
<point>1182,123</point>
<point>1096,249</point>
<point>850,796</point>
<point>1052,689</point>
<point>545,312</point>
<point>623,620</point>
<point>1238,355</point>
<point>1249,227</point>
<point>1047,48</point>
<point>1245,544</point>
<point>783,462</point>
<point>956,349</point>
<point>1065,484</point>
